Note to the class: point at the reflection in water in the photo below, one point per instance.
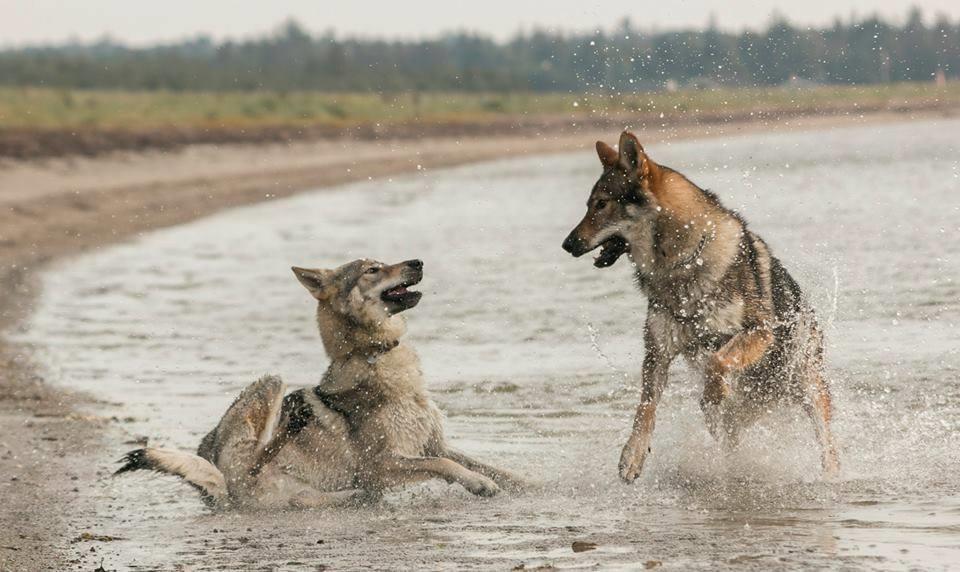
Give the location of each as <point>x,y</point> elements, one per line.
<point>535,358</point>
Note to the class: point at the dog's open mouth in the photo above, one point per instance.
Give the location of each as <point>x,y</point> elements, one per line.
<point>400,296</point>
<point>610,251</point>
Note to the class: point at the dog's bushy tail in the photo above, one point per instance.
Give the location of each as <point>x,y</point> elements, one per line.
<point>196,471</point>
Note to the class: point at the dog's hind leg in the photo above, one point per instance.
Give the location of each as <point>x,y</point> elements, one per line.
<point>246,427</point>
<point>295,412</point>
<point>505,479</point>
<point>819,408</point>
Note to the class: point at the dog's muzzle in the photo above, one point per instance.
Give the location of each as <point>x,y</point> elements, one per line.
<point>610,250</point>
<point>575,245</point>
<point>399,298</point>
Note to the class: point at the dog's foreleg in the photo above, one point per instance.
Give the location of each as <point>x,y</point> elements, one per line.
<point>638,445</point>
<point>737,420</point>
<point>505,479</point>
<point>398,470</point>
<point>741,352</point>
<point>660,352</point>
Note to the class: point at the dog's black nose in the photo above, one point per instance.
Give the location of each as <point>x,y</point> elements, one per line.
<point>415,264</point>
<point>574,244</point>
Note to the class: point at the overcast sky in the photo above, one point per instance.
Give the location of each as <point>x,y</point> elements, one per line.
<point>138,22</point>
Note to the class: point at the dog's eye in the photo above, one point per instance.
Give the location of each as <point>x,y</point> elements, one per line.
<point>373,270</point>
<point>601,203</point>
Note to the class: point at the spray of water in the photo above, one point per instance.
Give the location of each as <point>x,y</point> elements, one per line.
<point>626,385</point>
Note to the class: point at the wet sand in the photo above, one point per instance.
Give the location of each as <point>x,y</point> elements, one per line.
<point>55,208</point>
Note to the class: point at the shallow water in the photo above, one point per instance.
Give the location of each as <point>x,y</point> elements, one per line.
<point>535,357</point>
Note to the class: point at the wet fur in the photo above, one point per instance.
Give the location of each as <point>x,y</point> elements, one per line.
<point>716,296</point>
<point>368,426</point>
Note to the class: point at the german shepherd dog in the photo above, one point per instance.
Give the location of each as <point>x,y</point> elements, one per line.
<point>369,425</point>
<point>716,295</point>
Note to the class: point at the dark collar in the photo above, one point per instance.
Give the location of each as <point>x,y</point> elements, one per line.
<point>374,351</point>
<point>692,259</point>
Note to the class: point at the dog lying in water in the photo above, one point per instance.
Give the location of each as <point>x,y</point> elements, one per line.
<point>368,426</point>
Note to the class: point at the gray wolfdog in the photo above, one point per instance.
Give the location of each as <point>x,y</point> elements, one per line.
<point>368,426</point>
<point>716,295</point>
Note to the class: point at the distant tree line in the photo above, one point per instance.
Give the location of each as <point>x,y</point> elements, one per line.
<point>870,50</point>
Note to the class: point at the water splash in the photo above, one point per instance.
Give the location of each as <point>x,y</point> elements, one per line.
<point>625,384</point>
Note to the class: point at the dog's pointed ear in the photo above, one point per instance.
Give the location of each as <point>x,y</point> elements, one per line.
<point>316,281</point>
<point>632,156</point>
<point>608,155</point>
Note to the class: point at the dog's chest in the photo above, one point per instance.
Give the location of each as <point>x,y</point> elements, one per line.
<point>712,327</point>
<point>687,291</point>
<point>722,317</point>
<point>409,426</point>
<point>669,279</point>
<point>695,322</point>
<point>405,422</point>
<point>692,299</point>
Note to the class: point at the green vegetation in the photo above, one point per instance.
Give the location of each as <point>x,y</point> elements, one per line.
<point>44,108</point>
<point>626,58</point>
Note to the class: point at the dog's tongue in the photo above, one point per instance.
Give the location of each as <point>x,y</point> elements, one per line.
<point>397,291</point>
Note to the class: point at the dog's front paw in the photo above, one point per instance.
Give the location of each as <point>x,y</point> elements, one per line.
<point>481,486</point>
<point>631,460</point>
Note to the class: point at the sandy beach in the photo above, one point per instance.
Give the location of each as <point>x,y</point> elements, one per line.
<point>55,208</point>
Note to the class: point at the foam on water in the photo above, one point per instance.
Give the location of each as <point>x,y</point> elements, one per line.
<point>535,357</point>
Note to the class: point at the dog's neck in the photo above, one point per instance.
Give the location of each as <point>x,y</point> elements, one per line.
<point>367,365</point>
<point>344,339</point>
<point>684,251</point>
